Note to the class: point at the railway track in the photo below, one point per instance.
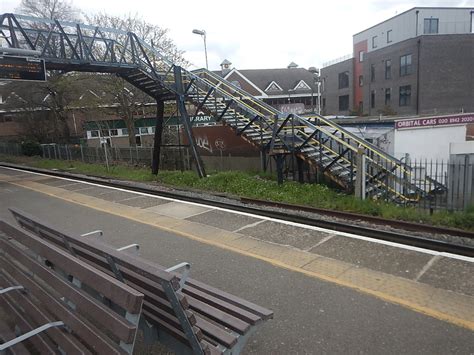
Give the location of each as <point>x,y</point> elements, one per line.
<point>252,207</point>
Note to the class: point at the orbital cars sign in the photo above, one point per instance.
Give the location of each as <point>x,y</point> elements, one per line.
<point>22,68</point>
<point>435,121</point>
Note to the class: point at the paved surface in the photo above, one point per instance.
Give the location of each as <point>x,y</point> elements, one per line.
<point>302,279</point>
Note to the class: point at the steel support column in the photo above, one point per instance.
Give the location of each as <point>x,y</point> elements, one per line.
<point>279,159</point>
<point>160,109</point>
<point>186,123</point>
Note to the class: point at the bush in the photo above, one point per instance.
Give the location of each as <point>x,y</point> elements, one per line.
<point>30,148</point>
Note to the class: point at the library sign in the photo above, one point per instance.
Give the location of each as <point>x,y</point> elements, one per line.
<point>435,121</point>
<point>22,68</point>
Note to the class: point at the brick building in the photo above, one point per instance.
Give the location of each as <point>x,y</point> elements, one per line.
<point>418,62</point>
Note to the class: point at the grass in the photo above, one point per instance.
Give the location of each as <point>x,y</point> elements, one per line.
<point>262,187</point>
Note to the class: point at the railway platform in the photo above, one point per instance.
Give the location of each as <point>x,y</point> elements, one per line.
<point>331,291</point>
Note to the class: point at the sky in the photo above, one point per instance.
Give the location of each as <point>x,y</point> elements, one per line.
<point>259,34</point>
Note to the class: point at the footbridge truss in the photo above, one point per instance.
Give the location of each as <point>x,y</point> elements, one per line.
<point>333,151</point>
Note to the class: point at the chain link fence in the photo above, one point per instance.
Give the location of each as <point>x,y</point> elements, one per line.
<point>443,185</point>
<point>172,157</point>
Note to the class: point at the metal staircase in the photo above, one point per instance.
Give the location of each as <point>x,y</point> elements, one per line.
<point>331,149</point>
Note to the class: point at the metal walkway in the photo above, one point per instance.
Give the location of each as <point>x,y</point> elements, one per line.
<point>335,152</point>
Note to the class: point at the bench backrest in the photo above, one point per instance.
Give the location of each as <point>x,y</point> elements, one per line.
<point>164,305</point>
<point>100,313</point>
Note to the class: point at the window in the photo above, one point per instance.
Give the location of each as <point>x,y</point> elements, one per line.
<point>152,130</point>
<point>324,103</point>
<point>144,130</point>
<point>372,99</point>
<point>114,132</point>
<point>372,73</point>
<point>124,132</point>
<point>94,134</point>
<point>374,42</point>
<point>405,65</point>
<point>389,36</point>
<point>361,80</point>
<point>104,132</point>
<point>361,56</point>
<point>388,96</point>
<point>137,131</point>
<point>344,103</point>
<point>405,95</point>
<point>361,106</point>
<point>388,69</point>
<point>344,80</point>
<point>431,25</point>
<point>302,86</point>
<point>273,86</point>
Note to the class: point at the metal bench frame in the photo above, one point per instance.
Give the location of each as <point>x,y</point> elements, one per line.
<point>185,287</point>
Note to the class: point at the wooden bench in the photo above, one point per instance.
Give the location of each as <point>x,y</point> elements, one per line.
<point>186,315</point>
<point>54,302</point>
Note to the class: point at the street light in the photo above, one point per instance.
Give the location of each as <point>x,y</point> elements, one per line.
<point>317,80</point>
<point>203,34</point>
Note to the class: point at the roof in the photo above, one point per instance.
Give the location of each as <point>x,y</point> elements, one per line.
<point>285,78</point>
<point>226,62</point>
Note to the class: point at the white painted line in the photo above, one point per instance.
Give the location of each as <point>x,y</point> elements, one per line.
<point>324,230</point>
<point>427,266</point>
<point>128,198</point>
<point>248,226</point>
<point>324,240</point>
<point>195,214</point>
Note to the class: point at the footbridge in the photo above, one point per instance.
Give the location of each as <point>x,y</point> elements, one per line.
<point>338,154</point>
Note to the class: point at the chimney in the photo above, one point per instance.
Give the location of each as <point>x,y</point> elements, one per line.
<point>225,67</point>
<point>292,65</point>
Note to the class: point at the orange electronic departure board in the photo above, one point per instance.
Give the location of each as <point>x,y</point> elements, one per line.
<point>22,68</point>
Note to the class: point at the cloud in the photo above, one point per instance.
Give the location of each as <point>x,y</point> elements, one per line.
<point>260,34</point>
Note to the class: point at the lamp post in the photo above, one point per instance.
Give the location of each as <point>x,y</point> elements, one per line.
<point>319,96</point>
<point>289,99</point>
<point>317,81</point>
<point>203,34</point>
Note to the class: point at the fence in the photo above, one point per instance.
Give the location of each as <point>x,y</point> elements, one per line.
<point>441,185</point>
<point>447,185</point>
<point>171,158</point>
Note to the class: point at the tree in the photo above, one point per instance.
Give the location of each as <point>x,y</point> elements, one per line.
<point>152,34</point>
<point>51,9</point>
<point>129,98</point>
<point>62,90</point>
<point>44,107</point>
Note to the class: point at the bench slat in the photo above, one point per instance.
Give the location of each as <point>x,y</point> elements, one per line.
<point>262,312</point>
<point>84,303</point>
<point>38,342</point>
<point>87,332</point>
<point>222,305</point>
<point>37,317</point>
<point>110,287</point>
<point>216,333</point>
<point>218,316</point>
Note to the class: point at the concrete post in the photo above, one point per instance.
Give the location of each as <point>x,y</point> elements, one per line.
<point>360,175</point>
